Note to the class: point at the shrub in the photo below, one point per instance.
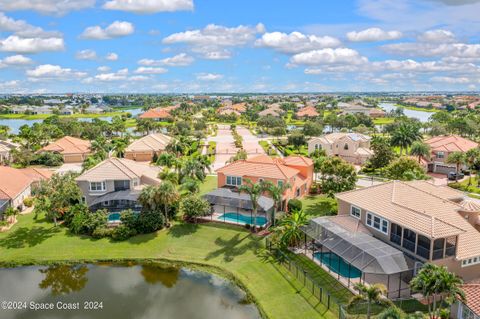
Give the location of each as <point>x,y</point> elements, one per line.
<point>294,205</point>
<point>122,232</point>
<point>102,232</point>
<point>85,223</point>
<point>247,226</point>
<point>48,159</point>
<point>28,202</point>
<point>148,222</point>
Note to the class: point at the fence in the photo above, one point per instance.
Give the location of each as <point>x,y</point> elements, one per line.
<point>316,289</point>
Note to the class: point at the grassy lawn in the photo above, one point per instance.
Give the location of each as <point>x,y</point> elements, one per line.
<point>208,185</point>
<point>229,248</point>
<point>318,205</point>
<point>463,185</point>
<point>383,120</point>
<point>415,108</point>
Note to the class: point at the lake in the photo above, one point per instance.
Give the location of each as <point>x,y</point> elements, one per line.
<point>15,124</point>
<point>423,116</point>
<point>119,292</point>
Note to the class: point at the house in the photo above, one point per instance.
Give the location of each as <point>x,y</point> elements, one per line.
<point>441,147</point>
<point>74,150</point>
<point>17,185</point>
<point>116,183</point>
<point>42,110</point>
<point>5,150</point>
<point>157,114</point>
<point>307,112</point>
<point>147,147</point>
<point>352,147</point>
<point>470,308</point>
<point>269,112</point>
<point>93,110</point>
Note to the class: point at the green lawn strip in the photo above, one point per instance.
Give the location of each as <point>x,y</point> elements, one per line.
<point>226,247</point>
<point>318,205</point>
<point>208,185</point>
<point>268,149</point>
<point>383,120</point>
<point>464,185</point>
<point>415,108</point>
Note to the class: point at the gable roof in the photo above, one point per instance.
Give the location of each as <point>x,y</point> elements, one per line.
<point>152,142</point>
<point>422,207</point>
<point>14,181</point>
<point>157,113</point>
<point>450,143</point>
<point>68,145</point>
<point>335,137</point>
<point>118,169</point>
<point>308,111</point>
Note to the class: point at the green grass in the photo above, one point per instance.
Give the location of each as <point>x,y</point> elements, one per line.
<point>229,248</point>
<point>318,205</point>
<point>208,185</point>
<point>463,185</point>
<point>415,108</point>
<point>44,116</point>
<point>268,149</point>
<point>383,120</point>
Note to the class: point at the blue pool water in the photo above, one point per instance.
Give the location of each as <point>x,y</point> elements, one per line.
<point>337,265</point>
<point>114,217</point>
<point>242,219</point>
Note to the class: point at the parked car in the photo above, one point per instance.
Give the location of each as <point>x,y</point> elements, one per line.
<point>452,176</point>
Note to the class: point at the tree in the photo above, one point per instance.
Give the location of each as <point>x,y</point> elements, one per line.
<point>297,139</point>
<point>159,196</point>
<point>392,312</point>
<point>371,294</point>
<point>193,206</point>
<point>190,185</point>
<point>241,155</point>
<point>168,175</point>
<point>254,190</point>
<point>420,150</point>
<point>312,128</point>
<point>472,159</point>
<point>289,230</point>
<point>336,176</point>
<point>276,192</point>
<point>457,158</point>
<point>382,153</point>
<point>405,134</point>
<point>405,169</point>
<point>166,159</point>
<point>437,283</point>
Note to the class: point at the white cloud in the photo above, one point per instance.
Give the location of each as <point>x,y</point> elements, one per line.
<point>112,56</point>
<point>52,7</point>
<point>24,29</point>
<point>49,72</point>
<point>373,34</point>
<point>295,42</point>
<point>149,6</point>
<point>451,50</point>
<point>181,59</point>
<point>209,76</point>
<point>86,55</point>
<point>9,85</point>
<point>212,41</point>
<point>103,68</point>
<point>150,70</point>
<point>31,45</point>
<point>328,56</point>
<point>437,36</point>
<point>16,60</point>
<point>451,80</point>
<point>121,74</point>
<point>115,30</point>
<point>138,78</point>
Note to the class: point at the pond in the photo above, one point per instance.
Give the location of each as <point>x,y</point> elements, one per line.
<point>15,124</point>
<point>119,291</point>
<point>423,116</point>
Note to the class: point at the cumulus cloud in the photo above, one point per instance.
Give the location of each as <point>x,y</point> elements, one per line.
<point>295,42</point>
<point>150,70</point>
<point>453,50</point>
<point>9,85</point>
<point>51,7</point>
<point>51,72</point>
<point>451,80</point>
<point>31,45</point>
<point>209,76</point>
<point>15,60</point>
<point>149,6</point>
<point>121,74</point>
<point>328,56</point>
<point>112,56</point>
<point>372,35</point>
<point>213,41</point>
<point>437,36</point>
<point>115,30</point>
<point>103,68</point>
<point>86,55</point>
<point>181,59</point>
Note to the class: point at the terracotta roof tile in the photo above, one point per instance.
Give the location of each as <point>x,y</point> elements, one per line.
<point>451,143</point>
<point>472,294</point>
<point>157,113</point>
<point>68,145</point>
<point>152,142</point>
<point>15,181</point>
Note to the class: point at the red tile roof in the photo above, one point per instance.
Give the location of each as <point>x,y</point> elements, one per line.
<point>68,145</point>
<point>309,111</point>
<point>472,292</point>
<point>451,143</point>
<point>157,113</point>
<point>15,181</point>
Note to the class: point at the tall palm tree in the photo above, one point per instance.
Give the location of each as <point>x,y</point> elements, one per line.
<point>276,191</point>
<point>420,150</point>
<point>404,135</point>
<point>166,159</point>
<point>166,194</point>
<point>472,159</point>
<point>290,228</point>
<point>168,175</point>
<point>457,158</point>
<point>193,168</point>
<point>254,190</point>
<point>370,294</point>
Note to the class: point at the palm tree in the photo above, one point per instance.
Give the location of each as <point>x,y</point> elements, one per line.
<point>166,194</point>
<point>392,312</point>
<point>190,185</point>
<point>472,157</point>
<point>193,168</point>
<point>166,159</point>
<point>167,175</point>
<point>276,191</point>
<point>404,135</point>
<point>420,149</point>
<point>457,158</point>
<point>370,294</point>
<point>290,228</point>
<point>254,190</point>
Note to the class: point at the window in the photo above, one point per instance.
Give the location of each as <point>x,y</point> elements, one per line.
<point>470,261</point>
<point>297,192</point>
<point>377,222</point>
<point>409,239</point>
<point>97,186</point>
<point>280,183</point>
<point>345,147</point>
<point>438,248</point>
<point>234,181</point>
<point>355,212</point>
<point>121,185</point>
<point>396,234</point>
<point>440,154</point>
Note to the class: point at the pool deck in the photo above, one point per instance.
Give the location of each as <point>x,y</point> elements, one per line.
<point>215,217</point>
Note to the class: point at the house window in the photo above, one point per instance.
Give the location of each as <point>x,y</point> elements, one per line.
<point>121,185</point>
<point>260,180</point>
<point>471,261</point>
<point>377,222</point>
<point>97,186</point>
<point>280,183</point>
<point>345,147</point>
<point>234,181</point>
<point>355,212</point>
<point>440,154</point>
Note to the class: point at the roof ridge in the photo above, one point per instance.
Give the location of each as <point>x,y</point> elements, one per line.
<point>116,161</point>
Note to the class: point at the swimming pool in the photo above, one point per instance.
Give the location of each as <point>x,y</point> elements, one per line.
<point>242,219</point>
<point>114,217</point>
<point>337,265</point>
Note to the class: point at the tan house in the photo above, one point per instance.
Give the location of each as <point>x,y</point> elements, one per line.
<point>307,112</point>
<point>116,183</point>
<point>147,147</point>
<point>352,147</point>
<point>74,150</point>
<point>441,147</point>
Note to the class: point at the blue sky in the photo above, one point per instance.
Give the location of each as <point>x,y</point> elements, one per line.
<point>175,46</point>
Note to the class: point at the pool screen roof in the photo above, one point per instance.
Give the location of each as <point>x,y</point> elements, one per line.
<point>226,197</point>
<point>128,194</point>
<point>361,250</point>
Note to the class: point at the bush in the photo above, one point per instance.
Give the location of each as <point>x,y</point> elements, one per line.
<point>102,232</point>
<point>294,205</point>
<point>28,202</point>
<point>84,222</point>
<point>48,159</point>
<point>247,226</point>
<point>122,232</point>
<point>148,222</point>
